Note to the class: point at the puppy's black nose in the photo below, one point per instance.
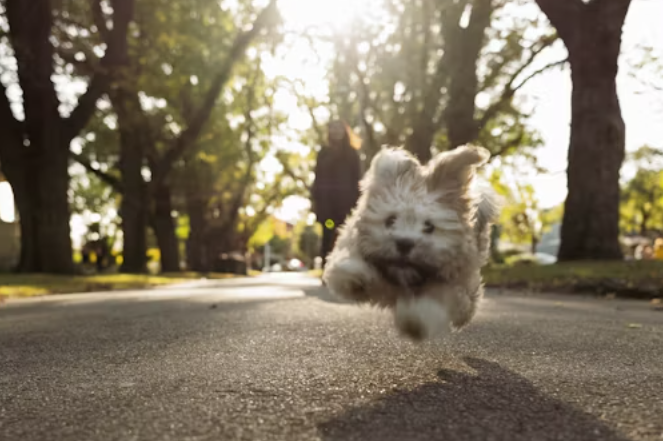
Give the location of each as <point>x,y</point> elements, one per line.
<point>404,246</point>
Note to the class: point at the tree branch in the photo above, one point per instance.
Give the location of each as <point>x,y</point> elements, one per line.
<point>248,147</point>
<point>364,104</point>
<point>539,72</point>
<point>116,46</point>
<point>509,91</point>
<point>200,117</point>
<point>114,182</point>
<point>510,144</point>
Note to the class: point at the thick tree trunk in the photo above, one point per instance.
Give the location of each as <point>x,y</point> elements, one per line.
<point>134,206</point>
<point>52,220</point>
<point>590,228</point>
<point>464,45</point>
<point>38,152</point>
<point>134,229</point>
<point>592,34</point>
<point>164,229</point>
<point>44,199</point>
<point>458,71</point>
<point>43,210</point>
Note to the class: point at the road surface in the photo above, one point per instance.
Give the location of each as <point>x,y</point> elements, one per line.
<point>275,358</point>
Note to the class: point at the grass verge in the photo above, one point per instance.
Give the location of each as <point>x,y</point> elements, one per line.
<point>315,273</point>
<point>27,285</point>
<point>634,279</point>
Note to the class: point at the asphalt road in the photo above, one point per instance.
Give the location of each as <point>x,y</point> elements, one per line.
<point>274,358</point>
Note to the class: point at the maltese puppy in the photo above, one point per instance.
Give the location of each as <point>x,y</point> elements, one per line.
<point>417,240</point>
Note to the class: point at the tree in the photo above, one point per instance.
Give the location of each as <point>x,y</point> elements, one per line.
<point>219,181</point>
<point>417,83</point>
<point>591,31</point>
<point>171,85</point>
<point>34,149</point>
<point>308,243</point>
<point>522,220</point>
<point>642,196</point>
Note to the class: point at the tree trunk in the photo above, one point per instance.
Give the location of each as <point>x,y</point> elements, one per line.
<point>134,229</point>
<point>43,210</point>
<point>164,229</point>
<point>590,227</point>
<point>52,220</point>
<point>196,244</point>
<point>134,206</point>
<point>464,46</point>
<point>592,34</point>
<point>44,194</point>
<point>644,222</point>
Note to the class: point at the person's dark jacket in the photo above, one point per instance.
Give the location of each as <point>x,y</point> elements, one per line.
<point>335,190</point>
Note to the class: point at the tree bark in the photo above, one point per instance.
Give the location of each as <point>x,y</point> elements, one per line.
<point>164,229</point>
<point>36,157</point>
<point>592,35</point>
<point>197,257</point>
<point>134,206</point>
<point>458,71</point>
<point>44,197</point>
<point>644,222</point>
<point>464,46</point>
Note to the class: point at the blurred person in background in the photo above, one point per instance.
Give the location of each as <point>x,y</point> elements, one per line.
<point>336,187</point>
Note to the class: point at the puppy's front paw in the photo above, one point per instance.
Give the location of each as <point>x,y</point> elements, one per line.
<point>349,279</point>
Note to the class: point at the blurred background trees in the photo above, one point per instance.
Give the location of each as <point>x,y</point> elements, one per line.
<point>184,129</point>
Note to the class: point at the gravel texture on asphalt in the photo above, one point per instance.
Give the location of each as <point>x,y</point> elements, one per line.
<point>275,358</point>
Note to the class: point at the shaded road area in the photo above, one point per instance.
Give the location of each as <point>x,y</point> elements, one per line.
<point>274,358</point>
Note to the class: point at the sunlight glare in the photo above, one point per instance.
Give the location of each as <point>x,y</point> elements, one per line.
<point>337,14</point>
<point>6,203</point>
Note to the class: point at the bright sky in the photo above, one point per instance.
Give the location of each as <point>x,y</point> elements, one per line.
<point>549,94</point>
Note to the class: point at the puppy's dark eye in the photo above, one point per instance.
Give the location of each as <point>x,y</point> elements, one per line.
<point>428,227</point>
<point>389,222</point>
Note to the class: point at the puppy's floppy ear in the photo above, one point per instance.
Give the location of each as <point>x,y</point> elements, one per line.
<point>391,164</point>
<point>453,171</point>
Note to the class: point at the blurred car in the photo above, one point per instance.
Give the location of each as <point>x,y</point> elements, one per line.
<point>295,265</point>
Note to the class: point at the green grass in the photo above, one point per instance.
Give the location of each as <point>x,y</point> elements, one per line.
<point>27,285</point>
<point>315,273</point>
<point>641,279</point>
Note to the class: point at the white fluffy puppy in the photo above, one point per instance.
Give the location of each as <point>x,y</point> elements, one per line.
<point>417,240</point>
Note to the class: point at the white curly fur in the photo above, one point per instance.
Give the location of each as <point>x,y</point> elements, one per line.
<point>441,227</point>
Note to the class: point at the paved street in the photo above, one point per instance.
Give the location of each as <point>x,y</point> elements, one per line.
<point>274,358</point>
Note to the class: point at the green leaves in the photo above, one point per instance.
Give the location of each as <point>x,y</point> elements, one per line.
<point>642,197</point>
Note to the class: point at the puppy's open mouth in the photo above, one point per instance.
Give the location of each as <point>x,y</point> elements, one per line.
<point>403,272</point>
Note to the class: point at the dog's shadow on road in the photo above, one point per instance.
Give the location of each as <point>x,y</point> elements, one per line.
<point>493,404</point>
